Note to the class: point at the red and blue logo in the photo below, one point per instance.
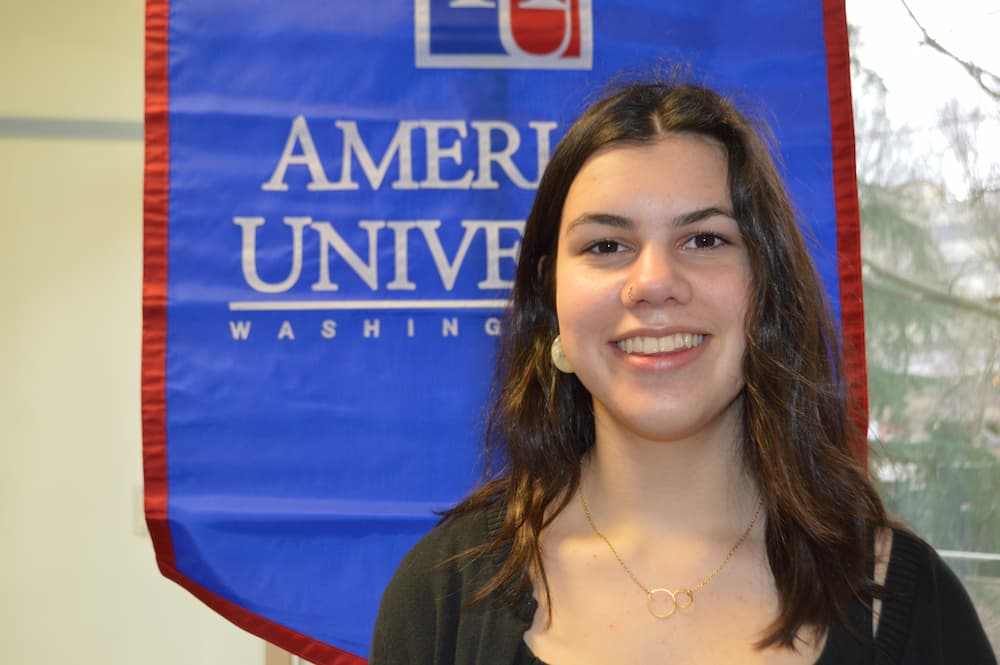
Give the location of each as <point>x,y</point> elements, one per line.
<point>504,34</point>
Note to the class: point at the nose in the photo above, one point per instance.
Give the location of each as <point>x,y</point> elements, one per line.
<point>656,277</point>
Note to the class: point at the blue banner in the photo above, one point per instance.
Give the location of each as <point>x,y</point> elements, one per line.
<point>335,197</point>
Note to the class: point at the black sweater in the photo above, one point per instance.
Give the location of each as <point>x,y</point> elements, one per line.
<point>422,621</point>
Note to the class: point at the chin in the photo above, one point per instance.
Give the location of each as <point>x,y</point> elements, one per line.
<point>678,424</point>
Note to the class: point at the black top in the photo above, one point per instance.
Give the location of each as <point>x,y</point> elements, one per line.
<point>422,621</point>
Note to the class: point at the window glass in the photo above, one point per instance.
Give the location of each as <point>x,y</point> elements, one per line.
<point>927,121</point>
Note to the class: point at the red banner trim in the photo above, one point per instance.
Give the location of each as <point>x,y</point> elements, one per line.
<point>156,202</point>
<point>154,288</point>
<point>845,186</point>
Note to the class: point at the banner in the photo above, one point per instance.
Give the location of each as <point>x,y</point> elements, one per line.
<point>334,200</point>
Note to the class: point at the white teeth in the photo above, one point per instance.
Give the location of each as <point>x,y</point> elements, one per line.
<point>665,344</point>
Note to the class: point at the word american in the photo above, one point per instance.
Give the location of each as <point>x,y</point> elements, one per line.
<point>444,147</point>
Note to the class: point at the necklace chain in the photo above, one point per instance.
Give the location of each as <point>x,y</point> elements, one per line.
<point>681,598</point>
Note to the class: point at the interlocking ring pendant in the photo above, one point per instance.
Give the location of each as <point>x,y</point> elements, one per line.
<point>679,600</point>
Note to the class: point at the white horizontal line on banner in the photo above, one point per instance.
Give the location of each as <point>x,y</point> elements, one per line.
<point>320,305</point>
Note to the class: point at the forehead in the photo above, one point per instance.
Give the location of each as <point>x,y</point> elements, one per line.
<point>677,171</point>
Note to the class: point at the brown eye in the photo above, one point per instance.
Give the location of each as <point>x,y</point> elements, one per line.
<point>605,247</point>
<point>704,241</point>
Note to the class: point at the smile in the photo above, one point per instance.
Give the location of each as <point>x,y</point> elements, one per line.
<point>665,344</point>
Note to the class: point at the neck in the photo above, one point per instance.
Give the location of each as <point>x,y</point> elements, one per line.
<point>688,485</point>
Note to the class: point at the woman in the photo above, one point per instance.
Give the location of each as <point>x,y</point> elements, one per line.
<point>678,484</point>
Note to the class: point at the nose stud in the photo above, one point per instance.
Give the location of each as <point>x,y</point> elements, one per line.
<point>629,295</point>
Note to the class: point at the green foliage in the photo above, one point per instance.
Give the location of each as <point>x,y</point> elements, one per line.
<point>955,504</point>
<point>934,393</point>
<point>931,261</point>
<point>895,230</point>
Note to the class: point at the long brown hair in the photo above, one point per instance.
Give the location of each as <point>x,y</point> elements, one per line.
<point>822,511</point>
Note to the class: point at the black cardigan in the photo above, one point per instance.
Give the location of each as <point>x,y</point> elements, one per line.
<point>422,620</point>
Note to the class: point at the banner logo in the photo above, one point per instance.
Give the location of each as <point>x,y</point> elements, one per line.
<point>503,34</point>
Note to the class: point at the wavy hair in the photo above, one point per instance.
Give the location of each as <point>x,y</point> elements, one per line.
<point>822,511</point>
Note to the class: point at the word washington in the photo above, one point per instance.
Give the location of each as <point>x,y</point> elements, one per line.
<point>369,328</point>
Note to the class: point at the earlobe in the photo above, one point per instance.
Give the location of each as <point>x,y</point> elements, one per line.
<point>559,358</point>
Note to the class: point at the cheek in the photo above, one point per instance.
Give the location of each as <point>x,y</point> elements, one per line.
<point>739,293</point>
<point>569,304</point>
<point>583,300</point>
<point>571,313</point>
<point>731,298</point>
<point>739,305</point>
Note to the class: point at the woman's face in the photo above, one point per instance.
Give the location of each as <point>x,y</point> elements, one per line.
<point>652,283</point>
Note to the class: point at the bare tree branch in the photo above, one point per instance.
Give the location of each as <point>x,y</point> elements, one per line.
<point>929,294</point>
<point>988,81</point>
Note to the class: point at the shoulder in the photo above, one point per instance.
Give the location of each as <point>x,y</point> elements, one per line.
<point>431,565</point>
<point>456,534</point>
<point>418,618</point>
<point>917,570</point>
<point>928,615</point>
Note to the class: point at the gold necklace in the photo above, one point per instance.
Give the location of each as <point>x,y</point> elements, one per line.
<point>675,600</point>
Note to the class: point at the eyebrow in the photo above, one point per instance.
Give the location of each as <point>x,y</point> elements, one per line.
<point>621,222</point>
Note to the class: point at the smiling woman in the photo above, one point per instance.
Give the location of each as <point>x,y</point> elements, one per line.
<point>671,415</point>
<point>649,255</point>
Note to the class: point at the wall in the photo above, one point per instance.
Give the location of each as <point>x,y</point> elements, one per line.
<point>78,582</point>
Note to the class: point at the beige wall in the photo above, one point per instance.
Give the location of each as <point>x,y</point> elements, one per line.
<point>78,583</point>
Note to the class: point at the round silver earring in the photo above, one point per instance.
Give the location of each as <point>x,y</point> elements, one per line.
<point>559,358</point>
